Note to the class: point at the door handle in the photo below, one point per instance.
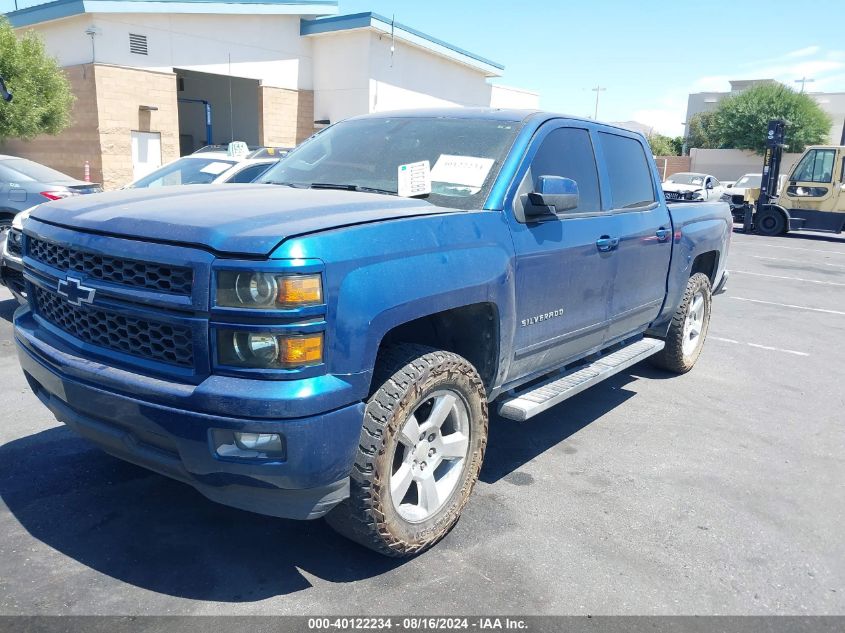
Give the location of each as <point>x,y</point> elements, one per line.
<point>606,243</point>
<point>662,234</point>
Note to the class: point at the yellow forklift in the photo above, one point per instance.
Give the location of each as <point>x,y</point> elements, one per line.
<point>812,198</point>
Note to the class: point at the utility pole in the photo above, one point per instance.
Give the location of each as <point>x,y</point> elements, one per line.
<point>597,90</point>
<point>804,80</point>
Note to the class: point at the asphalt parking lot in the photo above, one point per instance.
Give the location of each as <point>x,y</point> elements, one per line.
<point>718,492</point>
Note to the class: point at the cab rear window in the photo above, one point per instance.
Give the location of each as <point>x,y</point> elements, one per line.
<point>631,184</point>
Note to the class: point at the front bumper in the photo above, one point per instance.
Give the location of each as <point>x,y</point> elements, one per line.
<point>177,442</point>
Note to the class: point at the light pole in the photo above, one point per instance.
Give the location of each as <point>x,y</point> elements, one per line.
<point>597,90</point>
<point>803,81</point>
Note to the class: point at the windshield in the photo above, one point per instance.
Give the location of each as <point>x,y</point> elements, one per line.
<point>749,181</point>
<point>185,171</point>
<point>31,171</point>
<point>686,179</point>
<point>464,156</point>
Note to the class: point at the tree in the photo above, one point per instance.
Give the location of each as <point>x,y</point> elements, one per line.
<point>42,97</point>
<point>701,131</point>
<point>661,145</point>
<point>741,121</point>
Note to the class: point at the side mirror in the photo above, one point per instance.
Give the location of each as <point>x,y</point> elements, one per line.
<point>552,194</point>
<point>729,186</point>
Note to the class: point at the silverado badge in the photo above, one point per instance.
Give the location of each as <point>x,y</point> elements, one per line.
<point>75,293</point>
<point>542,317</point>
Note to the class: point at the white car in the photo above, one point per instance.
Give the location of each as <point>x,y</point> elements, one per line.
<point>204,169</point>
<point>687,186</point>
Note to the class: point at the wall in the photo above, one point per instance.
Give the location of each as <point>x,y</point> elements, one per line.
<point>341,80</point>
<point>730,164</point>
<point>118,101</point>
<point>68,151</point>
<point>263,47</point>
<point>668,165</point>
<point>286,117</point>
<point>414,78</point>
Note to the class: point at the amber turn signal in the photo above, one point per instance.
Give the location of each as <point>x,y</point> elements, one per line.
<point>297,351</point>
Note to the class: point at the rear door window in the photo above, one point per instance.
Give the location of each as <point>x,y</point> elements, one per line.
<point>628,169</point>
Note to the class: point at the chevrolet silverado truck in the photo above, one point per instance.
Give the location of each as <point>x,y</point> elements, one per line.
<point>318,345</point>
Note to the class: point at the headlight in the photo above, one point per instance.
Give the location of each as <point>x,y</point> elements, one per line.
<point>14,243</point>
<point>267,350</point>
<point>245,289</point>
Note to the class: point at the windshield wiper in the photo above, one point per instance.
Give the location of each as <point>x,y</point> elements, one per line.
<point>283,184</point>
<point>328,185</point>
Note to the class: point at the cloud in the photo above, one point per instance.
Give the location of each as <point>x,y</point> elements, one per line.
<point>666,116</point>
<point>803,52</point>
<point>827,68</point>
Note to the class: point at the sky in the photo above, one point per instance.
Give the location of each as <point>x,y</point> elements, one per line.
<point>647,54</point>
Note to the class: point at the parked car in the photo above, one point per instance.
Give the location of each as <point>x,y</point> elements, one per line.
<point>321,346</point>
<point>204,169</point>
<point>25,183</point>
<point>735,196</point>
<point>693,187</point>
<point>270,152</point>
<point>11,257</point>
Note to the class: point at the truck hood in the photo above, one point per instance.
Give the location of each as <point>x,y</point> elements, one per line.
<point>236,219</point>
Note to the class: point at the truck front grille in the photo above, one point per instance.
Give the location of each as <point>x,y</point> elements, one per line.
<point>129,272</point>
<point>142,338</point>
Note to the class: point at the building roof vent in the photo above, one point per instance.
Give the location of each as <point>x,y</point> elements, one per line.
<point>137,44</point>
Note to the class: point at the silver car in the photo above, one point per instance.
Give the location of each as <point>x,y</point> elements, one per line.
<point>25,183</point>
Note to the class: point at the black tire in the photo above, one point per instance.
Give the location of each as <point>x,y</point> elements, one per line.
<point>770,222</point>
<point>405,379</point>
<point>673,357</point>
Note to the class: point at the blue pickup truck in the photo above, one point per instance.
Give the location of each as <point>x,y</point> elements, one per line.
<point>318,345</point>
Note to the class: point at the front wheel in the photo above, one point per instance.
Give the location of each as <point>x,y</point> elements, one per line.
<point>770,222</point>
<point>688,328</point>
<point>421,448</point>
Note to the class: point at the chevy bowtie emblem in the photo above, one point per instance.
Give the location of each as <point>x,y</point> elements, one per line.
<point>75,293</point>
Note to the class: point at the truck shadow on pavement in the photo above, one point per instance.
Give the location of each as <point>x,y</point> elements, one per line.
<point>144,529</point>
<point>512,444</point>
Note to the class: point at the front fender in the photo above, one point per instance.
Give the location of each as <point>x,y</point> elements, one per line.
<point>385,274</point>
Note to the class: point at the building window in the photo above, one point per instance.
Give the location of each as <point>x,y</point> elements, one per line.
<point>137,44</point>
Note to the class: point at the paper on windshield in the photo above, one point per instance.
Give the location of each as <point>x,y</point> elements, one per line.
<point>215,168</point>
<point>468,171</point>
<point>414,179</point>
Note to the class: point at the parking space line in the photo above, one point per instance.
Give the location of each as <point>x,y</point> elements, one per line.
<point>801,279</point>
<point>798,261</point>
<point>811,250</point>
<point>787,305</point>
<point>758,346</point>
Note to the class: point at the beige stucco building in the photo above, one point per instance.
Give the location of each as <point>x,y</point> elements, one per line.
<point>156,79</point>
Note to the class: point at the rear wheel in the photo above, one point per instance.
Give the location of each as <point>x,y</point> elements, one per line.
<point>688,329</point>
<point>770,222</point>
<point>421,448</point>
